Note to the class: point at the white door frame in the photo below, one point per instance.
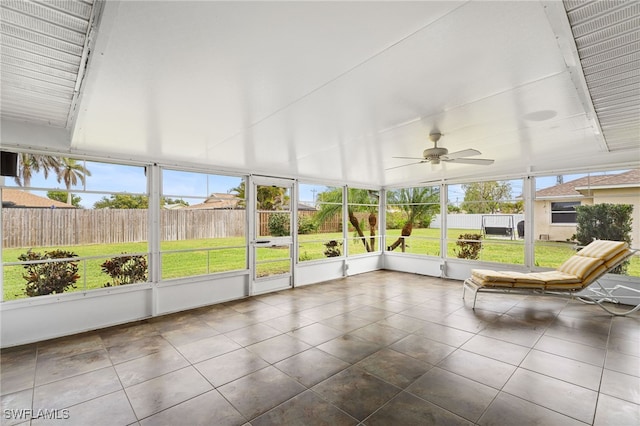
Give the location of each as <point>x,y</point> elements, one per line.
<point>279,281</point>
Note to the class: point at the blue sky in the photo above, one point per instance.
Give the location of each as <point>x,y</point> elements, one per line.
<point>110,178</point>
<point>194,187</point>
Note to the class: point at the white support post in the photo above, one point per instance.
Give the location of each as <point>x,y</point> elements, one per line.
<point>295,197</point>
<point>382,220</point>
<point>528,189</point>
<point>154,188</point>
<point>250,213</point>
<point>345,229</point>
<point>444,201</point>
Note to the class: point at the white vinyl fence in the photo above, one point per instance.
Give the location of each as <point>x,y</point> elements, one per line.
<point>474,221</point>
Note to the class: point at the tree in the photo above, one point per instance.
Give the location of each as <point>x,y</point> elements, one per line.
<point>63,197</point>
<point>240,192</point>
<point>127,201</point>
<point>270,198</point>
<point>170,201</point>
<point>485,197</point>
<point>418,204</point>
<point>514,208</point>
<point>355,196</point>
<point>71,172</point>
<point>122,201</point>
<point>28,164</point>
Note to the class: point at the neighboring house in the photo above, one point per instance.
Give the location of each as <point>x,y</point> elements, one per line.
<point>217,201</point>
<point>15,198</point>
<point>554,208</point>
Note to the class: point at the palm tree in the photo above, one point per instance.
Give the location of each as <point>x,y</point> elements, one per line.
<point>70,173</point>
<point>269,198</point>
<point>240,191</point>
<point>355,197</point>
<point>415,203</point>
<point>29,164</point>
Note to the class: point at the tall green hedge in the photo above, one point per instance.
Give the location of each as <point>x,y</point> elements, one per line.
<point>604,222</point>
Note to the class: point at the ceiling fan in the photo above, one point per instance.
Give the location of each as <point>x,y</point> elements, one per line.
<point>436,154</point>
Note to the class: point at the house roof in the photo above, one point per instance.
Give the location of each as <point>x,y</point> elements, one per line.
<point>568,189</point>
<point>630,178</point>
<point>230,201</point>
<point>218,201</point>
<point>18,198</point>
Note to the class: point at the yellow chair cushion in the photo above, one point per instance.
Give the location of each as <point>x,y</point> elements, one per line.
<point>555,277</point>
<point>593,275</point>
<point>484,283</point>
<point>522,278</point>
<point>617,258</point>
<point>488,275</point>
<point>565,286</point>
<point>580,266</point>
<point>603,249</point>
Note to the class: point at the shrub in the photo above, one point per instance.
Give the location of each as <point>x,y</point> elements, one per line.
<point>333,248</point>
<point>49,277</point>
<point>125,270</point>
<point>307,225</point>
<point>424,221</point>
<point>604,222</point>
<point>469,249</point>
<point>304,257</point>
<point>279,224</point>
<point>396,220</point>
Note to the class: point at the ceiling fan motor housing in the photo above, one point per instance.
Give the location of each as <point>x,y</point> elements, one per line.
<point>434,153</point>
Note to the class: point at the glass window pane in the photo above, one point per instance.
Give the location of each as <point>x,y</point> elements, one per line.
<point>319,222</point>
<point>363,220</point>
<point>90,229</point>
<point>411,213</point>
<point>571,210</point>
<point>203,224</point>
<point>490,212</point>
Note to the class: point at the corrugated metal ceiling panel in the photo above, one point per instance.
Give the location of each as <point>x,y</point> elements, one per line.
<point>43,44</point>
<point>607,35</point>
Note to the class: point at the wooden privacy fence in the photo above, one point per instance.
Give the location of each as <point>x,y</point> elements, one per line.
<point>332,224</point>
<point>62,227</point>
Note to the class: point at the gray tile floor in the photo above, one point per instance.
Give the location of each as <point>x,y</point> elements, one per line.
<point>381,348</point>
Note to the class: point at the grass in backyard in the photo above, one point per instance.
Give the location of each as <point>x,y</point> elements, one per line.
<point>214,255</point>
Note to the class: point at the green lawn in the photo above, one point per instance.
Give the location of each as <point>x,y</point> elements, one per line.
<point>215,255</point>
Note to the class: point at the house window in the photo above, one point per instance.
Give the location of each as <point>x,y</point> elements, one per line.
<point>564,212</point>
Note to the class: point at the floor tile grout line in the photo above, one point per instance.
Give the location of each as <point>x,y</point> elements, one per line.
<point>520,366</point>
<point>362,291</point>
<point>538,405</point>
<point>604,365</point>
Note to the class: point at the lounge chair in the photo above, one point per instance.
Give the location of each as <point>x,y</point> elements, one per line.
<point>568,280</point>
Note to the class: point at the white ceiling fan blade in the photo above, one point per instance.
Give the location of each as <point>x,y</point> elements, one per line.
<point>460,154</point>
<point>404,165</point>
<point>411,158</point>
<point>478,161</point>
